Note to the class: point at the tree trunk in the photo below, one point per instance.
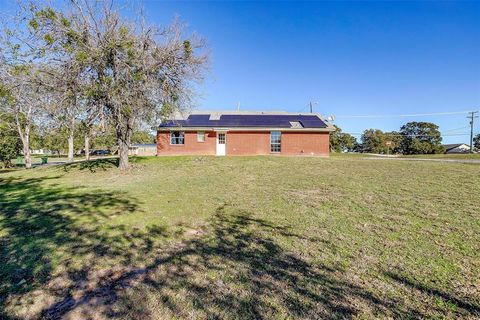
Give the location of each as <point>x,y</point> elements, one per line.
<point>124,136</point>
<point>28,158</point>
<point>70,148</point>
<point>25,137</point>
<point>123,154</point>
<point>87,146</point>
<point>71,133</point>
<point>26,150</point>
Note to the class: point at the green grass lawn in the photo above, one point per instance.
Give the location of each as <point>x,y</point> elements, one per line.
<point>241,238</point>
<point>460,156</point>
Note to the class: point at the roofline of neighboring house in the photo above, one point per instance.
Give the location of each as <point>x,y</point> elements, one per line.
<point>450,146</point>
<point>142,144</point>
<point>167,129</point>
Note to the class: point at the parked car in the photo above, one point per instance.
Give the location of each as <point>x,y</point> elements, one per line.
<point>100,152</point>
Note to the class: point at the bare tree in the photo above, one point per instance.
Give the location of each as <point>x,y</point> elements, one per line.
<point>22,97</point>
<point>25,94</point>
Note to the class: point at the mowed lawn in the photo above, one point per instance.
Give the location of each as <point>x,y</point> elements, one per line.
<point>241,238</point>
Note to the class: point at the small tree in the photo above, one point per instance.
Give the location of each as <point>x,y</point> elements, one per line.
<point>340,141</point>
<point>10,144</point>
<point>55,138</point>
<point>421,138</point>
<point>23,97</point>
<point>24,91</point>
<point>476,142</point>
<point>374,141</point>
<point>143,137</point>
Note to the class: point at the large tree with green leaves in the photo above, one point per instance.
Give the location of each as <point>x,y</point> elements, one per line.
<point>341,141</point>
<point>393,142</point>
<point>374,141</point>
<point>421,138</point>
<point>136,71</point>
<point>131,72</point>
<point>65,47</point>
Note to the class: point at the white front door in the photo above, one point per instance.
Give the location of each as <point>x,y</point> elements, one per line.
<point>221,143</point>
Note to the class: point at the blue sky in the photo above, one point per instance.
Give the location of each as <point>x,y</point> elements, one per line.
<point>352,58</point>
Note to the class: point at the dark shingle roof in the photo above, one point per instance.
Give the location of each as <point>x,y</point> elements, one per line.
<point>248,120</point>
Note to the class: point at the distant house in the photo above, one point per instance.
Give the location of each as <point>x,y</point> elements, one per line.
<point>245,133</point>
<point>457,148</point>
<point>143,150</point>
<point>40,151</point>
<point>37,151</point>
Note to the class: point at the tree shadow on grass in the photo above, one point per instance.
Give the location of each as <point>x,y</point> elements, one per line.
<point>40,220</point>
<point>104,164</point>
<point>231,270</point>
<point>93,165</point>
<point>469,307</point>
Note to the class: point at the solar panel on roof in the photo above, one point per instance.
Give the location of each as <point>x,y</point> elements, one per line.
<point>313,123</point>
<point>236,120</point>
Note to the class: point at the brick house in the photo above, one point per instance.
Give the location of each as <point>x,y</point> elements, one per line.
<point>245,133</point>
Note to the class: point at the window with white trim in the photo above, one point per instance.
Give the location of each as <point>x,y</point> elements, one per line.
<point>201,136</point>
<point>221,138</point>
<point>177,137</point>
<point>275,141</point>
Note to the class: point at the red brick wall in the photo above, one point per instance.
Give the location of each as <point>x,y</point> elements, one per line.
<point>191,145</point>
<point>247,143</point>
<point>305,143</point>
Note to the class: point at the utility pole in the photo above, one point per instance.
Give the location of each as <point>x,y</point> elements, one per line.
<point>472,115</point>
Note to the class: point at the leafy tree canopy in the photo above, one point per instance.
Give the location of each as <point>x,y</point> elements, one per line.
<point>374,141</point>
<point>476,142</point>
<point>421,138</point>
<point>341,141</point>
<point>10,144</point>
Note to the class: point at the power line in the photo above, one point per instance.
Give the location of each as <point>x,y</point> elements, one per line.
<point>450,130</point>
<point>301,110</point>
<point>405,115</point>
<point>412,135</point>
<point>309,105</point>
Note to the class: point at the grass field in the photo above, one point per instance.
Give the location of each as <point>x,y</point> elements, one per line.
<point>460,156</point>
<point>241,238</point>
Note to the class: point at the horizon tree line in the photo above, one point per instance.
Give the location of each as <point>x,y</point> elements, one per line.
<point>412,138</point>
